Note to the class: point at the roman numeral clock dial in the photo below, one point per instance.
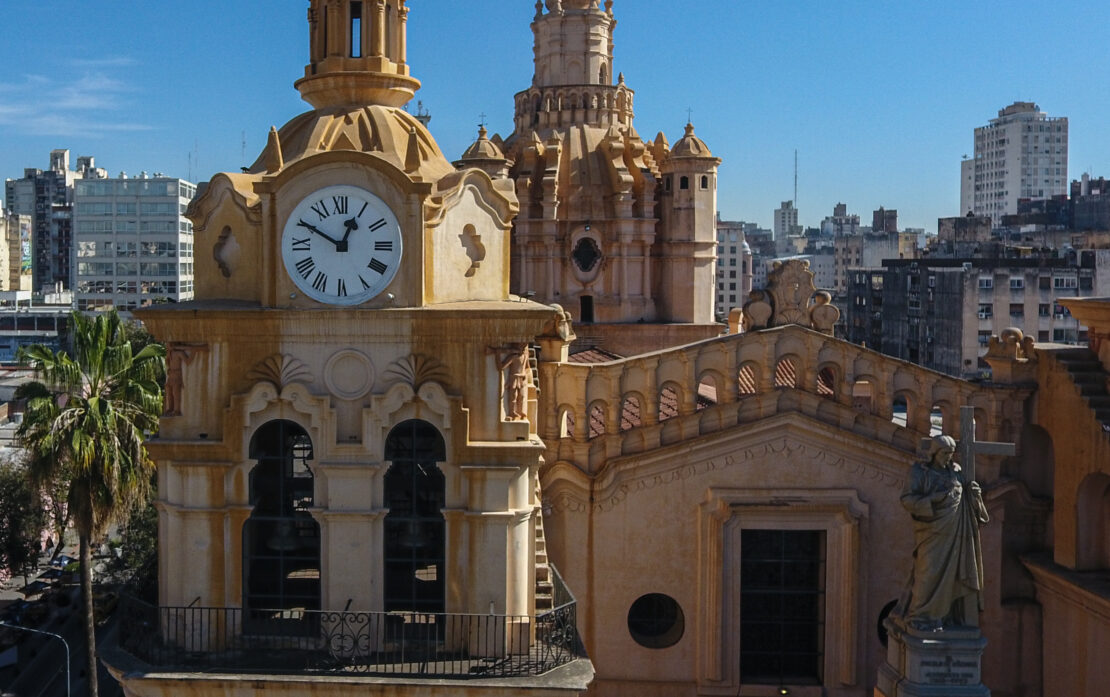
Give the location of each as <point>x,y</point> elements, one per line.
<point>341,245</point>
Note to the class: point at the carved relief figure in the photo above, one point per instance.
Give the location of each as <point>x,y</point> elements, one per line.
<point>518,375</point>
<point>177,357</point>
<point>945,586</point>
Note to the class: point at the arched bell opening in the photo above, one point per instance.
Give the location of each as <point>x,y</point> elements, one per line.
<point>415,529</point>
<point>281,539</point>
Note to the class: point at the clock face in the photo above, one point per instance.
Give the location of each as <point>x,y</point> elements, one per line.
<point>341,245</point>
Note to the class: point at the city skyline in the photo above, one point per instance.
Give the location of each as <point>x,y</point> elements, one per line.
<point>879,117</point>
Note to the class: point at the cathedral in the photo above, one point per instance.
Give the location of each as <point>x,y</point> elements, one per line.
<point>440,427</point>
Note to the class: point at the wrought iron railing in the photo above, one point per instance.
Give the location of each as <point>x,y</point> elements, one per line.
<point>409,644</point>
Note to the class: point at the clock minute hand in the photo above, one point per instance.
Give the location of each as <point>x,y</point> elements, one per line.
<point>319,232</point>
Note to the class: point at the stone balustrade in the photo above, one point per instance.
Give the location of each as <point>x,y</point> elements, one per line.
<point>593,412</point>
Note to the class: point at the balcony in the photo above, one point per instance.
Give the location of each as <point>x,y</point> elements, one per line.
<point>332,642</point>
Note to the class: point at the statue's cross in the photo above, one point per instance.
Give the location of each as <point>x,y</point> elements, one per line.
<point>968,446</point>
<point>482,119</point>
<point>689,115</point>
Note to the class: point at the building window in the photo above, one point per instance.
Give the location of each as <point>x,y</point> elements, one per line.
<point>782,606</point>
<point>1064,282</point>
<point>281,539</point>
<point>1017,310</point>
<point>786,575</point>
<point>684,183</point>
<point>415,529</point>
<point>984,337</point>
<point>986,310</point>
<point>1017,284</point>
<point>704,182</point>
<point>986,282</point>
<point>1044,310</point>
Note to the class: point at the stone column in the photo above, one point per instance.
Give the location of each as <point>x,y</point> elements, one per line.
<point>402,45</point>
<point>377,35</point>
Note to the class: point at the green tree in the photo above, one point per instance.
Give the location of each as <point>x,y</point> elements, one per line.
<point>22,520</point>
<point>85,424</point>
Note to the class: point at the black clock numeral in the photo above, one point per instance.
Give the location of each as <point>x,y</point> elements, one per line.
<point>340,203</point>
<point>365,285</point>
<point>376,265</point>
<point>383,246</point>
<point>378,225</point>
<point>342,290</point>
<point>320,208</point>
<point>363,209</point>
<point>320,283</point>
<point>304,245</point>
<point>305,267</point>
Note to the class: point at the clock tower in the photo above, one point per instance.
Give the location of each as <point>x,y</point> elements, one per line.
<point>351,411</point>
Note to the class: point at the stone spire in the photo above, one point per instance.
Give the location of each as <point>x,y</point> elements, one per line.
<point>357,54</point>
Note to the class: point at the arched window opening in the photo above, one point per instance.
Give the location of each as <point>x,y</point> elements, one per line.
<point>826,383</point>
<point>597,421</point>
<point>567,425</point>
<point>668,403</point>
<point>630,413</point>
<point>684,183</point>
<point>786,375</point>
<point>415,530</point>
<point>356,29</point>
<point>747,381</point>
<point>861,396</point>
<point>936,421</point>
<point>704,182</point>
<point>899,410</point>
<point>603,75</point>
<point>281,540</point>
<point>707,393</point>
<point>1093,524</point>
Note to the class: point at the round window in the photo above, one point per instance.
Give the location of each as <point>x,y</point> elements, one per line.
<point>655,621</point>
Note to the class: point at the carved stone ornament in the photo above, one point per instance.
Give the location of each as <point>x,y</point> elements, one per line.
<point>415,370</point>
<point>475,250</point>
<point>226,252</point>
<point>1012,357</point>
<point>790,285</point>
<point>281,369</point>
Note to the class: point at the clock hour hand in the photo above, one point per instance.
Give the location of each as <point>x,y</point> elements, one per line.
<point>340,245</point>
<point>351,224</point>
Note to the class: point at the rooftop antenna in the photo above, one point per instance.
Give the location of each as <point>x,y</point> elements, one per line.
<point>422,114</point>
<point>795,178</point>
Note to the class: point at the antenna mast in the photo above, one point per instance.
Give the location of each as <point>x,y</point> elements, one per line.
<point>795,178</point>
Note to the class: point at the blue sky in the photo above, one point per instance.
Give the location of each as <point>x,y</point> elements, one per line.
<point>879,98</point>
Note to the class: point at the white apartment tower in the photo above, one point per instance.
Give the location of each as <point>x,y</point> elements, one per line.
<point>786,221</point>
<point>1021,154</point>
<point>133,243</point>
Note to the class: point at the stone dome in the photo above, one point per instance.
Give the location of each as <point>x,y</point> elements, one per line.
<point>690,145</point>
<point>482,149</point>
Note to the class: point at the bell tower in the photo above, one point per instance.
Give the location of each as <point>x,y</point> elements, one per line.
<point>357,54</point>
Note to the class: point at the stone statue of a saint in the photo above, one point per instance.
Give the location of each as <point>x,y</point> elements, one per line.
<point>514,360</point>
<point>945,587</point>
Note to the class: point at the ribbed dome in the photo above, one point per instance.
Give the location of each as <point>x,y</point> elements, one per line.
<point>391,131</point>
<point>482,149</point>
<point>690,145</point>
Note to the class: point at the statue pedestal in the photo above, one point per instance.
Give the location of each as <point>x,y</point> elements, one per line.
<point>931,664</point>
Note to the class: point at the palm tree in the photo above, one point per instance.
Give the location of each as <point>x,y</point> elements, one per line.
<point>85,425</point>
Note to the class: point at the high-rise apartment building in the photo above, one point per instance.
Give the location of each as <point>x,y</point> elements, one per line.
<point>134,245</point>
<point>15,251</point>
<point>1021,154</point>
<point>734,266</point>
<point>786,221</point>
<point>47,196</point>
